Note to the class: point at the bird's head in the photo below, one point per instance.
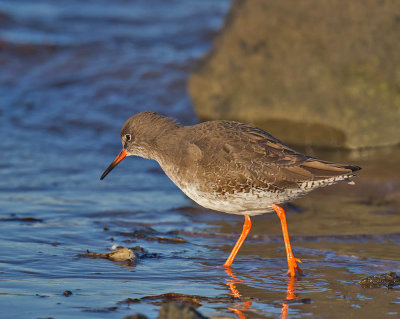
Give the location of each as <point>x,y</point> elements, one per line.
<point>139,136</point>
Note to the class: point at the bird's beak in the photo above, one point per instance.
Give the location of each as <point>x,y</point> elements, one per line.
<point>115,162</point>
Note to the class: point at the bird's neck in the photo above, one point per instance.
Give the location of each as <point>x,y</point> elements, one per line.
<point>165,140</point>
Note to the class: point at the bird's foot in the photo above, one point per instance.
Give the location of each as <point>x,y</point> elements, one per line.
<point>293,267</point>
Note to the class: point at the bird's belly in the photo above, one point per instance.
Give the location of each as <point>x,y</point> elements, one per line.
<point>255,202</point>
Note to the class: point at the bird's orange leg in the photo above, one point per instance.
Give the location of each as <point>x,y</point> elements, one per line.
<point>292,262</point>
<point>245,232</point>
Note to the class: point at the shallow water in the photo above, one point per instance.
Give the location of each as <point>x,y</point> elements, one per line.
<point>70,75</point>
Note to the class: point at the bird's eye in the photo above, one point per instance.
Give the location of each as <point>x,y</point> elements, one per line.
<point>128,137</point>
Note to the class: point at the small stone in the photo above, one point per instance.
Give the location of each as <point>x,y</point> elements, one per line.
<point>121,254</point>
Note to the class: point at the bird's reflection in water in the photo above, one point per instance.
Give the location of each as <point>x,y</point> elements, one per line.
<point>240,308</point>
<point>290,295</point>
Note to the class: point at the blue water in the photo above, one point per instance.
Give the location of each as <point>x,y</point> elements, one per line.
<point>71,73</point>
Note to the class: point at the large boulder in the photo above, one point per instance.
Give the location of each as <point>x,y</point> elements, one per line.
<point>324,73</point>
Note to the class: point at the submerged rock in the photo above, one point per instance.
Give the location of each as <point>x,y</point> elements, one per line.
<point>388,280</point>
<point>191,300</point>
<point>322,73</point>
<point>150,236</point>
<point>136,316</point>
<point>179,311</point>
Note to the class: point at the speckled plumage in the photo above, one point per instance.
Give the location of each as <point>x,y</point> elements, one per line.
<point>228,166</point>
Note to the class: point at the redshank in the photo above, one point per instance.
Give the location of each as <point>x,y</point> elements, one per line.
<point>229,167</point>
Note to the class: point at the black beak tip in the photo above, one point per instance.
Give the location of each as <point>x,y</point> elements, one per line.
<point>114,163</point>
<point>104,175</point>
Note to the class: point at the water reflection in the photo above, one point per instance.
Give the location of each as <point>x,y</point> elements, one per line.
<point>290,295</point>
<point>240,308</point>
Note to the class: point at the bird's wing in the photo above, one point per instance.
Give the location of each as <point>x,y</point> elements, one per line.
<point>261,158</point>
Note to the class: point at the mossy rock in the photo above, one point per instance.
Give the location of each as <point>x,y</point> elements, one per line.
<point>324,73</point>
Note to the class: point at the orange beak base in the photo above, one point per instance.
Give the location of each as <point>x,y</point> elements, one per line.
<point>115,162</point>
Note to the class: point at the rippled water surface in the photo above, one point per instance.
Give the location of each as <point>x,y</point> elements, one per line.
<point>71,72</point>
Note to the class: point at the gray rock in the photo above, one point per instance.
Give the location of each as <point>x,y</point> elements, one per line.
<point>323,73</point>
<point>179,311</point>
